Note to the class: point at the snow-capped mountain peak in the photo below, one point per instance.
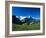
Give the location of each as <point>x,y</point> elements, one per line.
<point>22,17</point>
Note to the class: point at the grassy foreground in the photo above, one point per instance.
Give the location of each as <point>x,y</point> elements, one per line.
<point>34,26</point>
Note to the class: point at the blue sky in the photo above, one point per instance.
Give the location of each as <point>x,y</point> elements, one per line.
<point>26,11</point>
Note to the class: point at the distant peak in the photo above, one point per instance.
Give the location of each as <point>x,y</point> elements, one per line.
<point>36,18</point>
<point>22,17</point>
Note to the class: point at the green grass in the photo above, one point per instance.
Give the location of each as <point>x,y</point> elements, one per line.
<point>34,26</point>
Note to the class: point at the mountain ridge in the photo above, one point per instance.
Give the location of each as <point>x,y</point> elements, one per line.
<point>26,19</point>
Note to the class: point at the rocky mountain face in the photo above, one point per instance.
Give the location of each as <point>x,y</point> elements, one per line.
<point>23,19</point>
